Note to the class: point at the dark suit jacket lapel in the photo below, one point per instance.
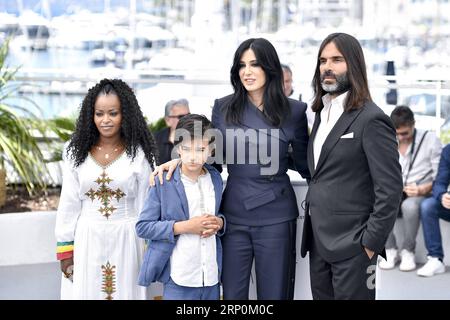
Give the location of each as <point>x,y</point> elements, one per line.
<point>338,130</point>
<point>255,119</point>
<point>311,143</point>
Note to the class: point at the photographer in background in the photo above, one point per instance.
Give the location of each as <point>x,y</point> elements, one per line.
<point>433,208</point>
<point>174,111</point>
<point>419,153</point>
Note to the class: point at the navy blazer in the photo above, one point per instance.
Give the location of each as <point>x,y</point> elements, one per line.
<point>442,181</point>
<point>251,197</point>
<point>165,205</point>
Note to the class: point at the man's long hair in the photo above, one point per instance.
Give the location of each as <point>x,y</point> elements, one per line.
<point>276,105</point>
<point>134,130</point>
<point>352,52</point>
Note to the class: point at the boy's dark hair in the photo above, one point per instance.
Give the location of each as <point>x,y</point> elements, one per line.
<point>402,116</point>
<point>195,124</point>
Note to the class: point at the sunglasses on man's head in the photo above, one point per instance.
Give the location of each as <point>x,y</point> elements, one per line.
<point>178,116</point>
<point>404,133</point>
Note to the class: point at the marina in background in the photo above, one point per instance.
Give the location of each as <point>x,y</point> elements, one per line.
<point>185,48</point>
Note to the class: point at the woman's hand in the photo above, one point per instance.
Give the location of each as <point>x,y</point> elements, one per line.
<point>65,264</point>
<point>169,166</point>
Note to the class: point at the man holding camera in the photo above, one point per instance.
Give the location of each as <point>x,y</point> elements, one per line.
<point>432,209</point>
<point>419,153</point>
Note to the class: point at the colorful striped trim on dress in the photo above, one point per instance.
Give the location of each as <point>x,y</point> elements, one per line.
<point>64,250</point>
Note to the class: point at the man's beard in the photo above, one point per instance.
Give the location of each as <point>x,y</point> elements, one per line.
<point>340,86</point>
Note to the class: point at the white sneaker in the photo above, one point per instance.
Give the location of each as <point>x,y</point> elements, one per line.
<point>432,267</point>
<point>408,263</point>
<point>392,258</point>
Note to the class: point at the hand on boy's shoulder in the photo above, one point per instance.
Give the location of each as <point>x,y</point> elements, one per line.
<point>163,172</point>
<point>158,183</point>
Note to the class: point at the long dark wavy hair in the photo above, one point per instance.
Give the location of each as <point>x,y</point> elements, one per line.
<point>276,105</point>
<point>134,131</point>
<point>356,71</point>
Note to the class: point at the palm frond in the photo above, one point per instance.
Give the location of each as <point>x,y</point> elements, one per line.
<point>18,146</point>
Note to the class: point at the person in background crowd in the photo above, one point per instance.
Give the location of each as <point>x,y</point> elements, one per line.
<point>419,153</point>
<point>291,93</point>
<point>431,210</point>
<point>287,81</point>
<point>174,111</point>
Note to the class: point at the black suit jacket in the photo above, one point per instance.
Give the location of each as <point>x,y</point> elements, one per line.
<point>165,147</point>
<point>356,188</point>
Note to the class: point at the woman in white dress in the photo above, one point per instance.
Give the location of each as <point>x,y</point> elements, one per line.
<point>107,164</point>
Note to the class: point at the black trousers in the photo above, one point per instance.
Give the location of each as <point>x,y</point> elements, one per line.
<point>273,249</point>
<point>350,279</point>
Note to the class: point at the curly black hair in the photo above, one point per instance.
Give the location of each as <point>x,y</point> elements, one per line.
<point>134,130</point>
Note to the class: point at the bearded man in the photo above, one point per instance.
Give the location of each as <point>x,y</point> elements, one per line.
<point>356,180</point>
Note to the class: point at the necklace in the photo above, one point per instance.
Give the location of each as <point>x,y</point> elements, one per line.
<point>109,153</point>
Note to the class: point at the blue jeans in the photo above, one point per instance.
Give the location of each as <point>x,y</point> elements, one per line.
<point>431,211</point>
<point>173,291</point>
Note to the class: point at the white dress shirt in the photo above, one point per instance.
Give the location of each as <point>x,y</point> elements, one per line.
<point>330,114</point>
<point>194,259</point>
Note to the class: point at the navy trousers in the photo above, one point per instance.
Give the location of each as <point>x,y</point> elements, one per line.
<point>273,249</point>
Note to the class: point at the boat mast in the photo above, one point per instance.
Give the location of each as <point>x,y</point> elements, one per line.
<point>132,24</point>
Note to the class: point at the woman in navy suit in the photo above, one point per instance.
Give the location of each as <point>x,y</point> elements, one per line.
<point>258,123</point>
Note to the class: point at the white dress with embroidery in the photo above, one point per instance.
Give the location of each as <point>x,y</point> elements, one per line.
<point>97,213</point>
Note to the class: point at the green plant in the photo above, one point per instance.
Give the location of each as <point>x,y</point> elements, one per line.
<point>18,147</point>
<point>157,125</point>
<point>54,132</point>
<point>62,127</point>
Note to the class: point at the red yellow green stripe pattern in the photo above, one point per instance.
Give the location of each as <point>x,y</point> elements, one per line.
<point>64,250</point>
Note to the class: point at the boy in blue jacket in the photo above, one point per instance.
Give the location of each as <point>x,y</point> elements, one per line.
<point>181,221</point>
